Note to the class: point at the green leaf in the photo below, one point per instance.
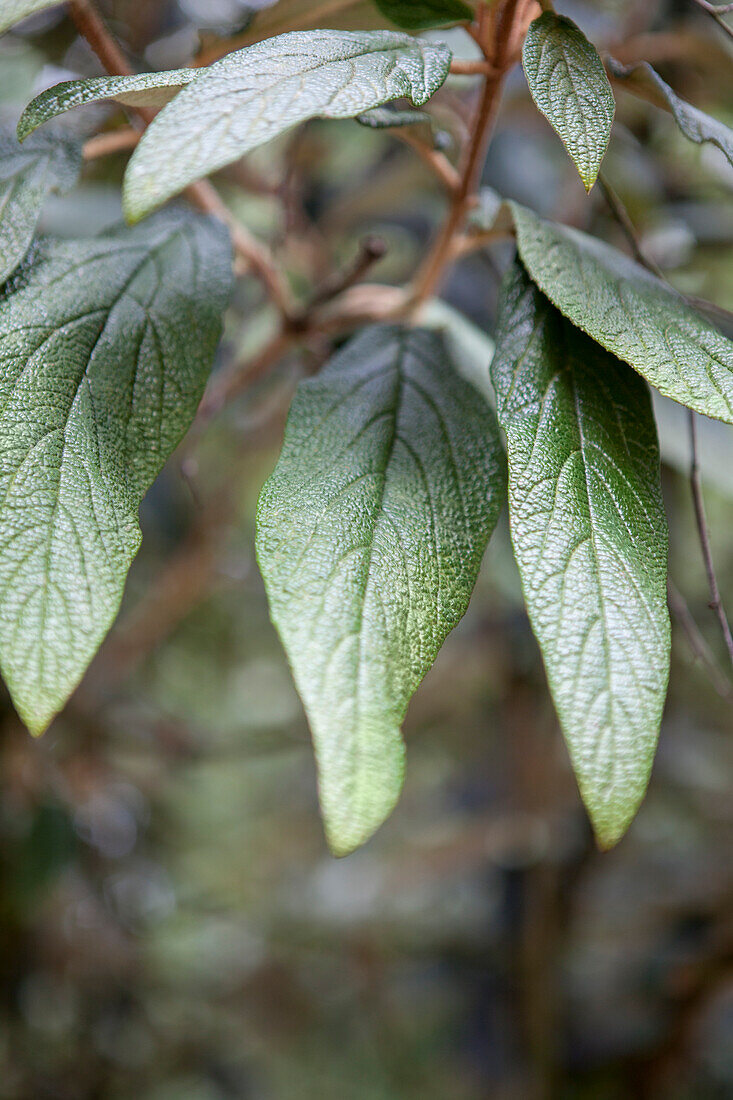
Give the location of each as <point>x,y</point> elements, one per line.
<point>371,531</point>
<point>15,11</point>
<point>569,85</point>
<point>694,124</point>
<point>28,174</point>
<point>631,313</point>
<point>255,94</point>
<point>144,90</point>
<point>105,348</point>
<point>590,538</point>
<point>419,15</point>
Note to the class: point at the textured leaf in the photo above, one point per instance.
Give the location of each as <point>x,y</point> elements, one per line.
<point>14,11</point>
<point>28,174</point>
<point>569,85</point>
<point>634,315</point>
<point>418,15</point>
<point>144,90</point>
<point>590,538</point>
<point>253,95</point>
<point>371,531</point>
<point>694,124</point>
<point>105,347</point>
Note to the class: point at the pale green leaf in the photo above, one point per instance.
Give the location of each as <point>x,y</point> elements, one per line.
<point>105,348</point>
<point>15,11</point>
<point>371,531</point>
<point>255,94</point>
<point>569,85</point>
<point>143,90</point>
<point>419,15</point>
<point>631,313</point>
<point>590,538</point>
<point>28,174</point>
<point>694,124</point>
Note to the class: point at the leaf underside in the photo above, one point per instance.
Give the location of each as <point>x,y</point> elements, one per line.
<point>694,124</point>
<point>371,531</point>
<point>15,11</point>
<point>251,96</point>
<point>105,348</point>
<point>590,539</point>
<point>631,313</point>
<point>570,87</point>
<point>28,174</point>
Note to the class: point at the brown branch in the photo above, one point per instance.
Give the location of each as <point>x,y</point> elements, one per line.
<point>105,144</point>
<point>697,643</point>
<point>435,160</point>
<point>471,68</point>
<point>717,11</point>
<point>91,26</point>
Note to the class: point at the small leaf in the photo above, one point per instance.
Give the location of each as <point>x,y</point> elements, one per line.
<point>386,118</point>
<point>371,531</point>
<point>28,174</point>
<point>255,94</point>
<point>569,85</point>
<point>694,124</point>
<point>144,90</point>
<point>590,538</point>
<point>420,15</point>
<point>105,348</point>
<point>15,11</point>
<point>631,313</point>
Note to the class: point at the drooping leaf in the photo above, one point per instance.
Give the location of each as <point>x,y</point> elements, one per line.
<point>14,11</point>
<point>569,85</point>
<point>28,174</point>
<point>694,124</point>
<point>253,95</point>
<point>371,531</point>
<point>631,313</point>
<point>420,15</point>
<point>143,90</point>
<point>590,538</point>
<point>105,347</point>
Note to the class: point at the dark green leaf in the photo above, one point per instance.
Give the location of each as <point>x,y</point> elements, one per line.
<point>105,348</point>
<point>569,85</point>
<point>255,94</point>
<point>590,538</point>
<point>634,315</point>
<point>370,535</point>
<point>145,90</point>
<point>28,174</point>
<point>694,124</point>
<point>15,11</point>
<point>419,15</point>
<point>386,118</point>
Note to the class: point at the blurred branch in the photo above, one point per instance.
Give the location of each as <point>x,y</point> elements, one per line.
<point>698,644</point>
<point>436,161</point>
<point>104,144</point>
<point>717,11</point>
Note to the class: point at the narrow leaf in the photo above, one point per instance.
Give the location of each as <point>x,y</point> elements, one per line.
<point>105,347</point>
<point>569,85</point>
<point>419,15</point>
<point>28,174</point>
<point>694,124</point>
<point>387,118</point>
<point>371,531</point>
<point>144,90</point>
<point>253,95</point>
<point>590,538</point>
<point>631,313</point>
<point>15,11</point>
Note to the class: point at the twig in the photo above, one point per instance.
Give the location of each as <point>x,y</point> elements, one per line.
<point>91,26</point>
<point>698,644</point>
<point>471,68</point>
<point>716,603</point>
<point>435,160</point>
<point>371,250</point>
<point>105,144</point>
<point>717,11</point>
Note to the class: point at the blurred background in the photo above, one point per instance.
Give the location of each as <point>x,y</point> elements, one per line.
<point>171,924</point>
